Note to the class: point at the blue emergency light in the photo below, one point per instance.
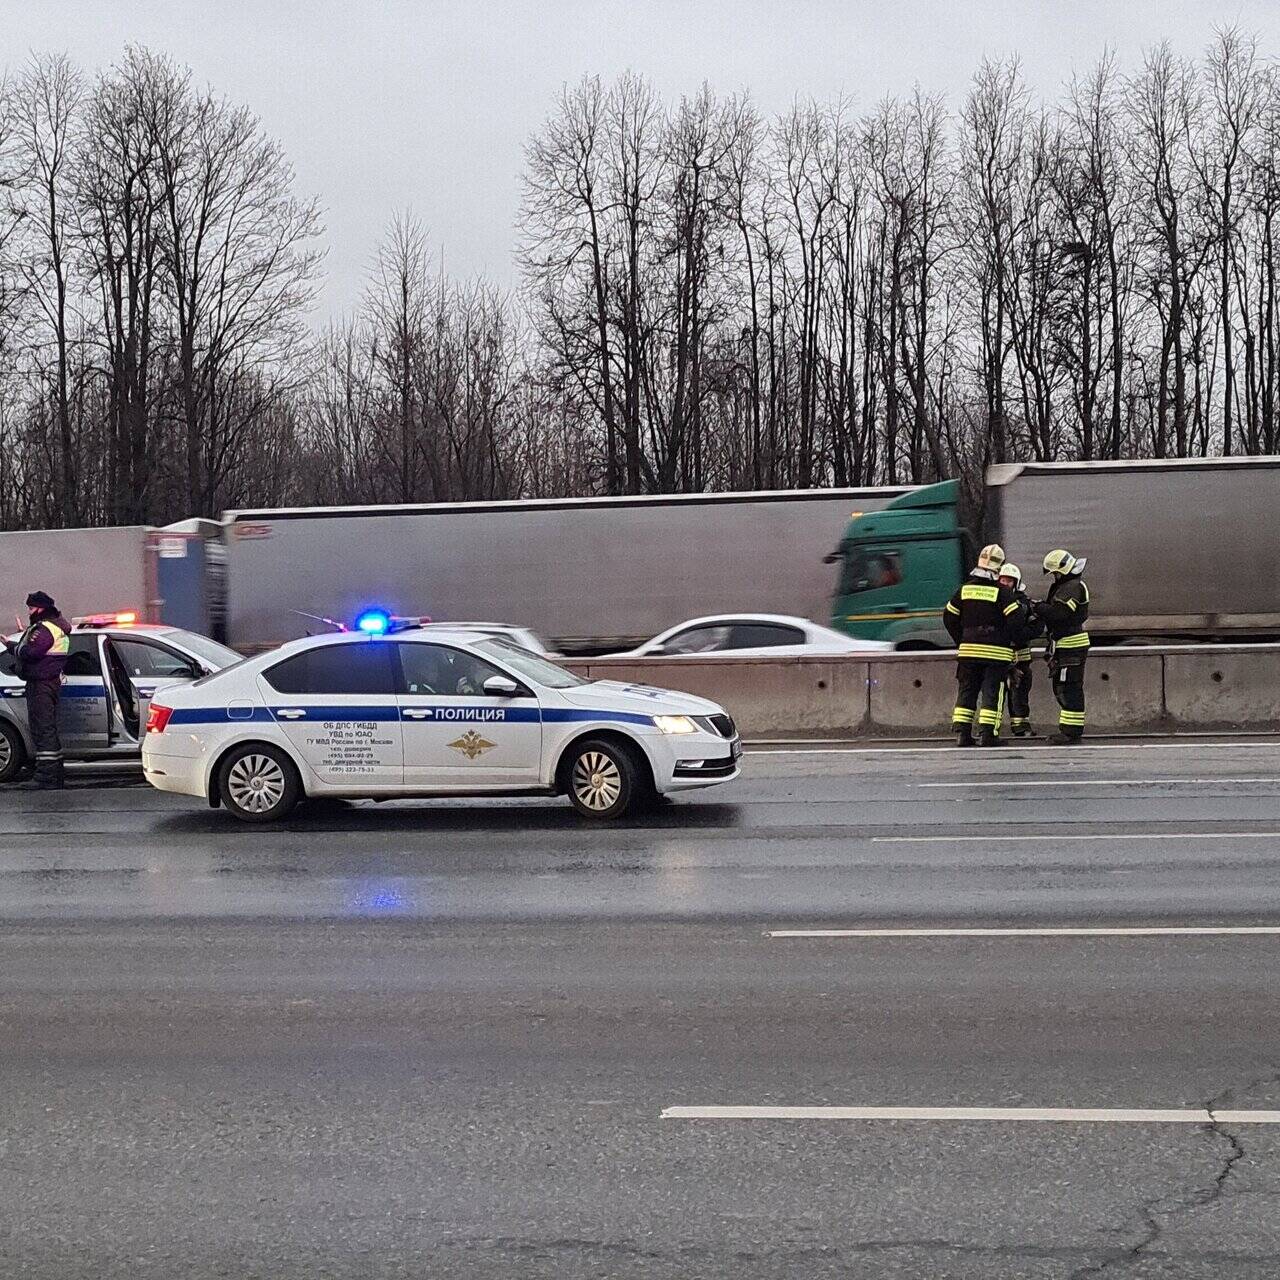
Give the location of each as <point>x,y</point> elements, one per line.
<point>373,622</point>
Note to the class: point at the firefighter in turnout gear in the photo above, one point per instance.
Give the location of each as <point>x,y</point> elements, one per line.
<point>1066,613</point>
<point>982,618</point>
<point>1019,679</point>
<point>41,655</point>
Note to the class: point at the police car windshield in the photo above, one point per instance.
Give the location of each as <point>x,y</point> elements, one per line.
<point>530,665</point>
<point>210,652</point>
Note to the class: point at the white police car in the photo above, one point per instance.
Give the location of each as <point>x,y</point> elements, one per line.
<point>115,665</point>
<point>381,713</point>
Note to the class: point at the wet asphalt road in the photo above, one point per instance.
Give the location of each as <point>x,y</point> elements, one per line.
<point>437,1039</point>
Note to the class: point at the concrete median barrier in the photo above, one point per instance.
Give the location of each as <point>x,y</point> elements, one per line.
<point>1222,687</point>
<point>1129,690</point>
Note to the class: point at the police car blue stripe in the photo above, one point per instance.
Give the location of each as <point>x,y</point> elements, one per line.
<point>84,691</point>
<point>565,715</point>
<point>441,714</point>
<point>473,715</point>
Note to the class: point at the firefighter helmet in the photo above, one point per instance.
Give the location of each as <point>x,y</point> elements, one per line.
<point>991,556</point>
<point>1064,563</point>
<point>1011,571</point>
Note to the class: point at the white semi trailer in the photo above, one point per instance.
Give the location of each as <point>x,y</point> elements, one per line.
<point>589,574</point>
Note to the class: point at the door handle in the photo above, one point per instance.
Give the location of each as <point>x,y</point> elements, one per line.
<point>417,713</point>
<point>290,713</point>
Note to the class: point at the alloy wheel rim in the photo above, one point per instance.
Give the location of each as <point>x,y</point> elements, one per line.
<point>597,781</point>
<point>256,783</point>
<point>6,752</point>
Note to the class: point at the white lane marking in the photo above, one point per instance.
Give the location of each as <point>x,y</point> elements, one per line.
<point>1054,835</point>
<point>1076,1115</point>
<point>1010,753</point>
<point>1162,931</point>
<point>1099,782</point>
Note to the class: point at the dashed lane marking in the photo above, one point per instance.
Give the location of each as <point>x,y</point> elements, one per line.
<point>1161,931</point>
<point>1014,753</point>
<point>1072,1115</point>
<point>1058,836</point>
<point>1097,782</point>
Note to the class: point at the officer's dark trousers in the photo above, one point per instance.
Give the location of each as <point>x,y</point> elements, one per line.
<point>42,715</point>
<point>979,695</point>
<point>1068,688</point>
<point>1020,695</point>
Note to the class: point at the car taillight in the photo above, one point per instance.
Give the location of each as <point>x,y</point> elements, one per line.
<point>158,718</point>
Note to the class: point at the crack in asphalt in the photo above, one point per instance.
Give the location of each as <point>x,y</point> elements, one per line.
<point>1151,1212</point>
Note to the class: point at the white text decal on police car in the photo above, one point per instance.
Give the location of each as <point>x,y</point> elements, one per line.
<point>464,713</point>
<point>350,746</point>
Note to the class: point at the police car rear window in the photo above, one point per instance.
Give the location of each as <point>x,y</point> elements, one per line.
<point>363,668</point>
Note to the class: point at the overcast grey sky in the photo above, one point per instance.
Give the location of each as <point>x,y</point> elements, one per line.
<point>426,104</point>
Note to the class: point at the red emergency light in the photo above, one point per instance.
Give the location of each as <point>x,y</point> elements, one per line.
<point>124,618</point>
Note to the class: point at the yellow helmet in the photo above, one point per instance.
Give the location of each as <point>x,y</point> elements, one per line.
<point>1011,570</point>
<point>1064,563</point>
<point>991,556</point>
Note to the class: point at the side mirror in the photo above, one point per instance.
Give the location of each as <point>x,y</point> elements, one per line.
<point>656,649</point>
<point>832,557</point>
<point>501,687</point>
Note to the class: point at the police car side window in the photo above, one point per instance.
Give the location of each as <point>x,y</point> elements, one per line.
<point>82,657</point>
<point>150,661</point>
<point>363,668</point>
<point>442,671</point>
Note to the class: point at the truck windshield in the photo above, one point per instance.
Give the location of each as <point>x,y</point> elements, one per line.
<point>530,665</point>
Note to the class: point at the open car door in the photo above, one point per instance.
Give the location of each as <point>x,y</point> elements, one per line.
<point>122,698</point>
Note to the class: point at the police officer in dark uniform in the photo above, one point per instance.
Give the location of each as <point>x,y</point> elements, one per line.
<point>1065,612</point>
<point>982,618</point>
<point>41,655</point>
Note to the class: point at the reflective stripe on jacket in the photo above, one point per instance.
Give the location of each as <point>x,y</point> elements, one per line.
<point>983,618</point>
<point>1065,612</point>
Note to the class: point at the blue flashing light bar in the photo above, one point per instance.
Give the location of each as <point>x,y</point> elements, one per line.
<point>374,622</point>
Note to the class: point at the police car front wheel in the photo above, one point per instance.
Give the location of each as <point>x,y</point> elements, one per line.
<point>601,778</point>
<point>13,755</point>
<point>258,783</point>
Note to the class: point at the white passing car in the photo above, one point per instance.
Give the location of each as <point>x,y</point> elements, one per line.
<point>522,636</point>
<point>752,635</point>
<point>427,713</point>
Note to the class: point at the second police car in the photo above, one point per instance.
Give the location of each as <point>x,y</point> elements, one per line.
<point>380,713</point>
<point>115,666</point>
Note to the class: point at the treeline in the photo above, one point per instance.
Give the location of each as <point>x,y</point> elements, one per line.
<point>710,298</point>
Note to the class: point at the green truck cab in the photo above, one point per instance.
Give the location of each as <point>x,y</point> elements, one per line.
<point>899,566</point>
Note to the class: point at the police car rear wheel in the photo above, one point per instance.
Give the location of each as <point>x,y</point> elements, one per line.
<point>601,779</point>
<point>13,755</point>
<point>259,784</point>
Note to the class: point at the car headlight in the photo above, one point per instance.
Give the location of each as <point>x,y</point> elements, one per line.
<point>675,724</point>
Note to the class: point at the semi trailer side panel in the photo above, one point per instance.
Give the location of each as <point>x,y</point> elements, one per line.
<point>84,570</point>
<point>1185,547</point>
<point>588,574</point>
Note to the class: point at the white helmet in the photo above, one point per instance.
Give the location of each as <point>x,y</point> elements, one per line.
<point>1011,570</point>
<point>1064,564</point>
<point>991,556</point>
